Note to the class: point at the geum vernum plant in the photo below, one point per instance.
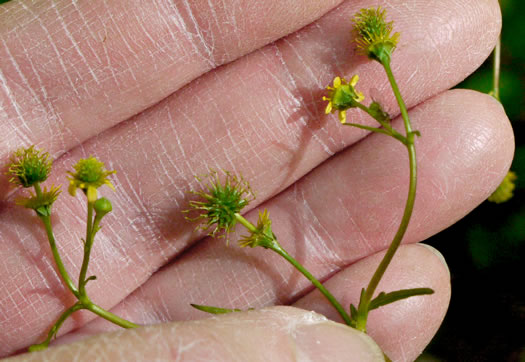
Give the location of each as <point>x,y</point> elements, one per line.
<point>29,168</point>
<point>219,205</point>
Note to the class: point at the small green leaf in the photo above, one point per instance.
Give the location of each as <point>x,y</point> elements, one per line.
<point>353,315</point>
<point>387,298</point>
<point>378,113</point>
<point>214,310</point>
<point>43,210</point>
<point>353,311</point>
<point>93,277</point>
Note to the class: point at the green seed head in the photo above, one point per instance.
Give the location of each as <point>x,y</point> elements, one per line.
<point>29,166</point>
<point>373,34</point>
<point>218,204</point>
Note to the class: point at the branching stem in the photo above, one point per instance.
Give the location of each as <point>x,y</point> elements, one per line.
<point>276,247</point>
<point>409,207</point>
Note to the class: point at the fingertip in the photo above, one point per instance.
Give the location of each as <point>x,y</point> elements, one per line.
<point>330,341</point>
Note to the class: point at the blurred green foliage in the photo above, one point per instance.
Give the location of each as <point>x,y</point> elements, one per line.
<point>485,250</point>
<point>513,61</point>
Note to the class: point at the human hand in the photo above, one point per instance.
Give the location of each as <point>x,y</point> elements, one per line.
<point>73,71</point>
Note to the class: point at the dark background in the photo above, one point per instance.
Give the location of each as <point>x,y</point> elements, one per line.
<point>486,250</point>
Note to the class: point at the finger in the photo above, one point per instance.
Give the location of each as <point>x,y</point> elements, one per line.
<point>152,200</point>
<point>274,334</point>
<point>402,329</point>
<point>343,211</point>
<point>300,67</point>
<point>70,70</point>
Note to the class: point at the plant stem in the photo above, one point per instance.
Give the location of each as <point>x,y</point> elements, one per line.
<point>110,316</point>
<point>387,128</point>
<point>53,331</point>
<point>497,70</point>
<point>248,225</point>
<point>276,247</point>
<point>87,250</point>
<point>46,220</point>
<point>409,207</point>
<point>83,300</point>
<point>335,303</point>
<point>397,94</point>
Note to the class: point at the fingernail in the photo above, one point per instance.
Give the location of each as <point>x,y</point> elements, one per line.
<point>329,341</point>
<point>438,254</point>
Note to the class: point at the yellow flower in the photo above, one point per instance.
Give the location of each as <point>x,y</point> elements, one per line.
<point>343,95</point>
<point>505,191</point>
<point>373,34</point>
<point>89,176</point>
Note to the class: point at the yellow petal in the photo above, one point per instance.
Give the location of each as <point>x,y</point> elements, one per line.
<point>107,182</point>
<point>337,82</point>
<point>354,80</point>
<point>360,97</point>
<point>328,108</point>
<point>91,194</point>
<point>342,117</point>
<point>72,189</point>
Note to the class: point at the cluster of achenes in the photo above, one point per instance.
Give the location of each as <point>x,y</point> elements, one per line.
<point>218,207</point>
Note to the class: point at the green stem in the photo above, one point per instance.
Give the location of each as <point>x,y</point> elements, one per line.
<point>388,130</point>
<point>54,330</point>
<point>46,220</point>
<point>409,207</point>
<point>87,250</point>
<point>110,316</point>
<point>397,93</point>
<point>275,246</point>
<point>279,250</point>
<point>248,225</point>
<point>497,70</point>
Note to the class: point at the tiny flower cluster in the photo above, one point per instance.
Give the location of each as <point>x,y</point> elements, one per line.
<point>30,167</point>
<point>505,191</point>
<point>342,96</point>
<point>89,175</point>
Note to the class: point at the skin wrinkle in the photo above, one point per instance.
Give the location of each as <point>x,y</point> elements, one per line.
<point>73,87</point>
<point>74,43</point>
<point>117,146</point>
<point>84,49</point>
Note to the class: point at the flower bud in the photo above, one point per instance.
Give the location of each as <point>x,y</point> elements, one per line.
<point>102,206</point>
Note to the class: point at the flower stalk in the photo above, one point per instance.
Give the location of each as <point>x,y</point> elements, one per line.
<point>29,168</point>
<point>366,298</point>
<point>269,241</point>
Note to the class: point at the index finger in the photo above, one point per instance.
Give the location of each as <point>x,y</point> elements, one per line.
<point>71,69</point>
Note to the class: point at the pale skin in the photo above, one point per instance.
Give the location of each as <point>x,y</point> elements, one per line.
<point>145,80</point>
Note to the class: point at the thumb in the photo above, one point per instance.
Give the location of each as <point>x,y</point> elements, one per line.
<point>272,334</point>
